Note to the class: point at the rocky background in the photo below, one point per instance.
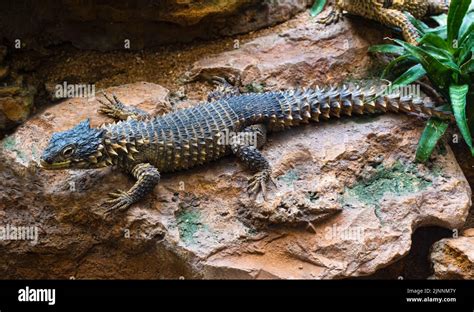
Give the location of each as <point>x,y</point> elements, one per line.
<point>106,25</point>
<point>349,203</point>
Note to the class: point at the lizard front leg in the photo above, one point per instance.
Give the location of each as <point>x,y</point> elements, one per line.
<point>114,108</point>
<point>248,153</point>
<point>147,178</point>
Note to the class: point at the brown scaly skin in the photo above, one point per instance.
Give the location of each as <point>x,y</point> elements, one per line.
<point>145,146</point>
<point>390,12</point>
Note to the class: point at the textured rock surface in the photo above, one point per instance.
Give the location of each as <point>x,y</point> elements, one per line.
<point>304,54</point>
<point>105,25</point>
<point>16,104</point>
<point>16,97</point>
<point>201,224</point>
<point>453,258</point>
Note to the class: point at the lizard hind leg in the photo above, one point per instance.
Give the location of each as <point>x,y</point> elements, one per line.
<point>115,109</point>
<point>247,152</point>
<point>223,89</point>
<point>335,15</point>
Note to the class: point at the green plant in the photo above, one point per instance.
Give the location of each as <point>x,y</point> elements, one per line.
<point>317,7</point>
<point>445,55</point>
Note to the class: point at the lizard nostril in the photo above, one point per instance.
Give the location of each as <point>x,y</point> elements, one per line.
<point>45,160</point>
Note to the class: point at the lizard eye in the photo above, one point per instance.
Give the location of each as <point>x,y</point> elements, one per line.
<point>68,151</point>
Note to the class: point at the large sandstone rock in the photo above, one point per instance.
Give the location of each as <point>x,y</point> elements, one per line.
<point>201,224</point>
<point>453,258</point>
<point>107,24</point>
<point>304,54</point>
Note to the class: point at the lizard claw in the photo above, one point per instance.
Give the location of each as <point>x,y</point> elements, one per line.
<point>258,184</point>
<point>120,201</point>
<point>117,194</point>
<point>107,108</point>
<point>113,101</point>
<point>115,109</point>
<point>273,182</point>
<point>333,17</point>
<point>218,80</point>
<point>112,107</point>
<point>223,89</point>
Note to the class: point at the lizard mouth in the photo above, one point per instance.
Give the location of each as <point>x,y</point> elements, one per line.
<point>55,166</point>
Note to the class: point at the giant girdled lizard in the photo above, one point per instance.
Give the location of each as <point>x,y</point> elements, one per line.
<point>146,146</point>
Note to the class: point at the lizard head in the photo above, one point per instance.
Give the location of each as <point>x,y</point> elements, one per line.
<point>438,6</point>
<point>77,148</point>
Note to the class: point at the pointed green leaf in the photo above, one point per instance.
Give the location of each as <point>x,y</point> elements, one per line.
<point>441,19</point>
<point>456,13</point>
<point>441,31</point>
<point>434,130</point>
<point>434,40</point>
<point>419,25</point>
<point>436,70</point>
<point>387,48</point>
<point>466,44</point>
<point>465,54</point>
<point>469,33</point>
<point>468,67</point>
<point>466,25</point>
<point>399,60</point>
<point>443,56</point>
<point>458,102</point>
<point>413,74</point>
<point>317,7</point>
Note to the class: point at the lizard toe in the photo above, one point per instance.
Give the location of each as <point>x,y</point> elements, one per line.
<point>117,194</point>
<point>118,204</point>
<point>111,100</point>
<point>258,184</point>
<point>331,18</point>
<point>272,181</point>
